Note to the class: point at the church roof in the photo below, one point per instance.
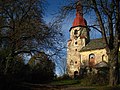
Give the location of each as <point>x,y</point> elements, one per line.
<point>94,44</point>
<point>79,20</point>
<point>101,64</point>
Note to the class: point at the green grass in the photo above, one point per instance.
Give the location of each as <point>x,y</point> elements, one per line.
<point>108,88</point>
<point>65,82</point>
<point>77,84</point>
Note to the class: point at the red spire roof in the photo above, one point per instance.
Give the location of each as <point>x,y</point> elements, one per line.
<point>79,20</point>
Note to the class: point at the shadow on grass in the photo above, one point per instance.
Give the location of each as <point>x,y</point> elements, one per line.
<point>56,85</point>
<point>108,88</point>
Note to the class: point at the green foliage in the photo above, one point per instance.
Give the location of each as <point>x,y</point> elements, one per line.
<point>95,79</point>
<point>119,56</point>
<point>16,71</point>
<point>13,72</point>
<point>63,77</point>
<point>3,54</point>
<point>23,30</point>
<point>42,69</point>
<point>37,58</point>
<point>65,82</point>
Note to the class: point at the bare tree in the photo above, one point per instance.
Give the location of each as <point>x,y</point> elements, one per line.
<point>23,30</point>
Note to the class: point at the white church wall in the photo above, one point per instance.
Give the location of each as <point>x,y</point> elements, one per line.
<point>99,53</point>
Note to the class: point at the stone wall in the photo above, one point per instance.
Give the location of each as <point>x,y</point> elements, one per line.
<point>100,55</point>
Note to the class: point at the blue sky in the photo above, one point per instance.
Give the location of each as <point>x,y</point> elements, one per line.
<point>53,7</point>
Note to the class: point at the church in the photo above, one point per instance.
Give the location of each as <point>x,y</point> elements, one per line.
<point>81,51</point>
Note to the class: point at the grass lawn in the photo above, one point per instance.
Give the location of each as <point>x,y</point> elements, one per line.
<point>65,82</point>
<point>76,85</point>
<point>61,85</point>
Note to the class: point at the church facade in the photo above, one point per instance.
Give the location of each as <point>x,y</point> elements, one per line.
<point>81,51</point>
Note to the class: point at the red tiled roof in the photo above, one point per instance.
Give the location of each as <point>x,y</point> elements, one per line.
<point>79,20</point>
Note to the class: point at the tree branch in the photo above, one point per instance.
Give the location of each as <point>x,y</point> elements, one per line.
<point>25,51</point>
<point>6,27</point>
<point>93,26</point>
<point>100,22</point>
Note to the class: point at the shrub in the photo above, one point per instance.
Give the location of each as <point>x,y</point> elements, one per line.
<point>95,79</point>
<point>63,77</point>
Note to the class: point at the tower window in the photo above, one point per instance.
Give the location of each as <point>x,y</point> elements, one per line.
<point>75,32</point>
<point>75,49</point>
<point>75,62</point>
<point>76,43</point>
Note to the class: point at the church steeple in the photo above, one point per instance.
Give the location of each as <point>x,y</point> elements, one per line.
<point>79,37</point>
<point>79,20</point>
<point>79,8</point>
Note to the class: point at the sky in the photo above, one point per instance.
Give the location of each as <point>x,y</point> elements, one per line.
<point>53,7</point>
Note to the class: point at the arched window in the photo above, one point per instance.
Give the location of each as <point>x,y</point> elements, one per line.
<point>103,57</point>
<point>91,60</point>
<point>76,74</point>
<point>91,56</point>
<point>75,32</point>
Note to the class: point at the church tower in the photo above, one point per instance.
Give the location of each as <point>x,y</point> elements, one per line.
<point>79,37</point>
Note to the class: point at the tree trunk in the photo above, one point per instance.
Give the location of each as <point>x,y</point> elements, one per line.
<point>114,69</point>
